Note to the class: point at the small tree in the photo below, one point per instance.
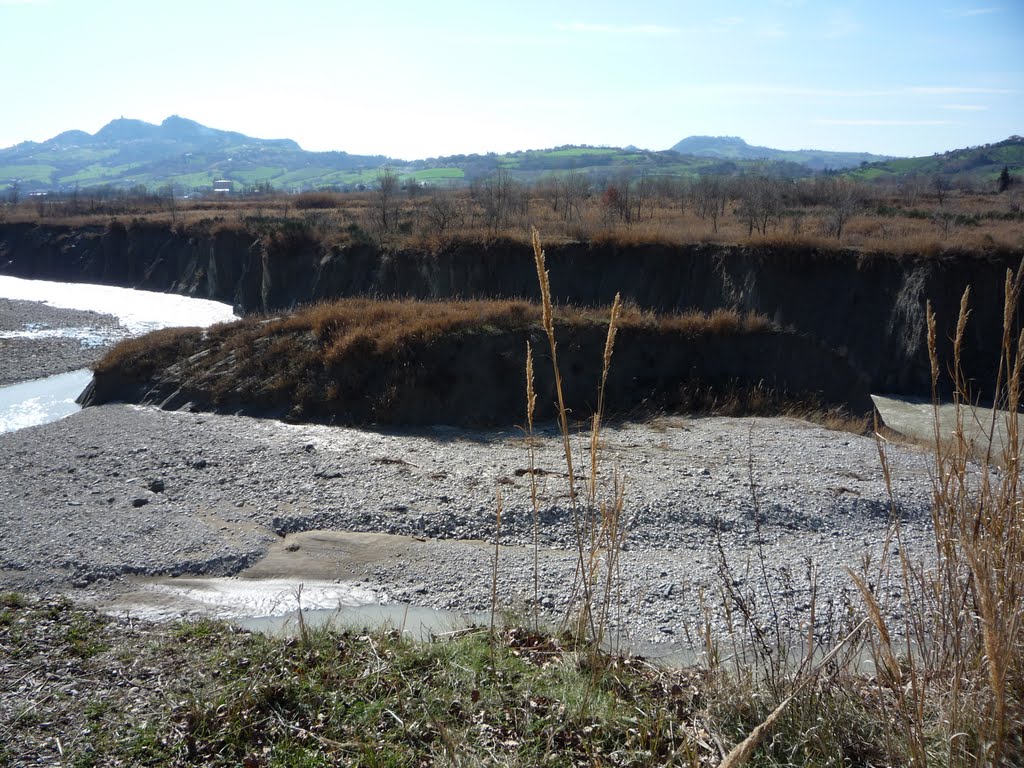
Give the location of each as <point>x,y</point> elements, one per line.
<point>1005,180</point>
<point>443,212</point>
<point>387,191</point>
<point>574,188</point>
<point>760,202</point>
<point>940,185</point>
<point>709,195</point>
<point>843,198</point>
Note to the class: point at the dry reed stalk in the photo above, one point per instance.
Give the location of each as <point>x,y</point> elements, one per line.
<point>608,538</point>
<point>497,551</point>
<point>599,528</point>
<point>595,428</point>
<point>531,405</point>
<point>584,620</point>
<point>966,613</point>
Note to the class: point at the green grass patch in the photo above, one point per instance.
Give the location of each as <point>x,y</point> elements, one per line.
<point>438,174</point>
<point>34,172</point>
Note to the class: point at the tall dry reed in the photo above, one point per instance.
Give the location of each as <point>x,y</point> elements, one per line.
<point>964,645</point>
<point>598,521</point>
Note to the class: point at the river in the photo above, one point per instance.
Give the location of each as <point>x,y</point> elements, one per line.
<point>40,401</point>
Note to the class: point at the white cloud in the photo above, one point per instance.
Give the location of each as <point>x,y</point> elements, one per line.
<point>883,123</point>
<point>973,11</point>
<point>639,30</point>
<point>953,90</point>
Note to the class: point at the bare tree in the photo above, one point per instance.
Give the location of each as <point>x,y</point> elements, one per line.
<point>643,194</point>
<point>574,188</point>
<point>760,202</point>
<point>500,196</point>
<point>940,185</point>
<point>386,209</point>
<point>844,199</point>
<point>443,212</point>
<point>709,195</point>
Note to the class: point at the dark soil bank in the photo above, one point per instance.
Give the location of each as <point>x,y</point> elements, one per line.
<point>474,376</point>
<point>872,309</point>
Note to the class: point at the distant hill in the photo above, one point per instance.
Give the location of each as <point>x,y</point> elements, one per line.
<point>983,163</point>
<point>735,148</point>
<point>126,153</point>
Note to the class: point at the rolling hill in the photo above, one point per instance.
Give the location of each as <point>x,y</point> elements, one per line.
<point>735,148</point>
<point>189,156</point>
<point>182,152</point>
<point>984,162</point>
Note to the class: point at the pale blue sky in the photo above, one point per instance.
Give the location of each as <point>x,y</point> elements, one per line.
<point>413,79</point>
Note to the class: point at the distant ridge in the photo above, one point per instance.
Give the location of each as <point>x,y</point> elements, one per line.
<point>735,148</point>
<point>184,156</point>
<point>127,152</point>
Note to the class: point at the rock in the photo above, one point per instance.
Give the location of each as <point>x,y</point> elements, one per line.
<point>140,501</point>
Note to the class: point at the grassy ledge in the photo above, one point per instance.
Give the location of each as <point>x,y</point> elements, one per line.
<point>358,361</point>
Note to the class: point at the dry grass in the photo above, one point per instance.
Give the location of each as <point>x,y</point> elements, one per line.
<point>964,222</point>
<point>144,355</point>
<point>963,618</point>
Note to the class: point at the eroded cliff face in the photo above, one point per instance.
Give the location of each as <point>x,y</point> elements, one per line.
<point>871,310</point>
<point>474,378</point>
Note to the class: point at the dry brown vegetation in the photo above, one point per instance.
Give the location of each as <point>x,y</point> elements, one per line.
<point>963,624</point>
<point>822,213</point>
<point>368,361</point>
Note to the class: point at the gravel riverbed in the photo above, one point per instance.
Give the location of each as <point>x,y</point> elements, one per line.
<point>97,502</point>
<point>23,358</point>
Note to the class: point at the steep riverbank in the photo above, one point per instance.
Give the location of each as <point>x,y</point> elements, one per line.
<point>360,362</point>
<point>871,308</point>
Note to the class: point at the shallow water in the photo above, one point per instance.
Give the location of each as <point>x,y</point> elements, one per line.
<point>138,311</point>
<point>273,605</point>
<point>982,428</point>
<point>41,401</point>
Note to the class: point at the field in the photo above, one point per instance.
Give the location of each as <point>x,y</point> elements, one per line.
<point>909,217</point>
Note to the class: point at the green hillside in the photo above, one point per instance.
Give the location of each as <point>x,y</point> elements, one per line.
<point>735,148</point>
<point>983,163</point>
<point>128,153</point>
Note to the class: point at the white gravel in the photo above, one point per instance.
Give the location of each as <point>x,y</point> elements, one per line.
<point>119,490</point>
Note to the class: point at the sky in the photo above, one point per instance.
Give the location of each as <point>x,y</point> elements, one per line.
<point>415,79</point>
